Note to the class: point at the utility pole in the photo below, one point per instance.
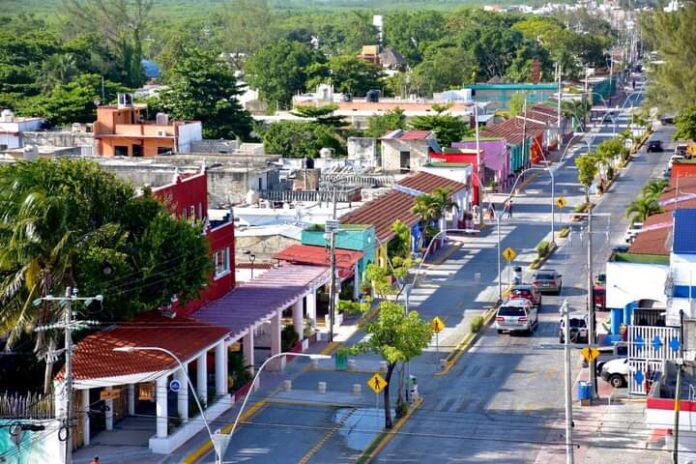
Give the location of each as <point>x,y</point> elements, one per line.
<point>677,393</point>
<point>524,124</point>
<point>584,98</point>
<point>479,168</point>
<point>68,325</point>
<point>570,456</point>
<point>611,77</point>
<point>591,338</point>
<point>559,72</point>
<point>332,293</point>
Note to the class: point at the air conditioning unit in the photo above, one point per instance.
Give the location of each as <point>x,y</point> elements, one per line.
<point>162,133</point>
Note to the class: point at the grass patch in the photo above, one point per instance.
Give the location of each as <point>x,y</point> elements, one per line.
<point>564,232</point>
<point>476,324</point>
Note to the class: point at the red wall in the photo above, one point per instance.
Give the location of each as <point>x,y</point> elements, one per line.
<point>683,170</point>
<point>180,196</point>
<point>469,158</point>
<point>535,150</point>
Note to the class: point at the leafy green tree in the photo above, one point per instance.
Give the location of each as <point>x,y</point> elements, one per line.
<point>380,124</point>
<point>410,32</point>
<point>249,26</point>
<point>445,68</point>
<point>321,114</point>
<point>654,188</point>
<point>587,171</point>
<point>515,105</point>
<point>58,69</point>
<point>63,224</point>
<point>398,337</point>
<point>202,88</point>
<point>447,128</point>
<point>400,245</point>
<point>642,207</point>
<point>299,139</point>
<point>686,124</point>
<point>348,74</point>
<point>280,71</point>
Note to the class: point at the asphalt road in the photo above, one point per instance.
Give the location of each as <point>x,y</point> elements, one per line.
<point>504,399</point>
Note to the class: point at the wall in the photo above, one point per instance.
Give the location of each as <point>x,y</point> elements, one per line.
<point>58,139</point>
<point>10,140</point>
<point>34,447</point>
<point>187,134</point>
<point>360,239</point>
<point>363,149</point>
<point>186,192</point>
<point>263,246</point>
<point>391,154</point>
<point>629,282</point>
<point>498,95</point>
<point>683,170</point>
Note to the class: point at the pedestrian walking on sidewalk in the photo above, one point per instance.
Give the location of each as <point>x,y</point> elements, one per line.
<point>491,211</point>
<point>508,208</point>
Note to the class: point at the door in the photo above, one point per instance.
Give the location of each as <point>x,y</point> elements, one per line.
<point>137,150</point>
<point>405,161</point>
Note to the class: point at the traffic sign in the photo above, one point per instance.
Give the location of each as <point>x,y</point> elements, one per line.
<point>332,225</point>
<point>561,202</point>
<point>437,324</point>
<point>377,383</point>
<point>590,354</point>
<point>175,386</point>
<point>109,394</point>
<point>509,254</point>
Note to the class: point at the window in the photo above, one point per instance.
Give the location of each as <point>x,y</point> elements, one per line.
<point>120,150</point>
<point>221,261</point>
<point>164,150</point>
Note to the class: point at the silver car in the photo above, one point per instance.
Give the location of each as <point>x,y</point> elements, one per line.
<point>517,315</point>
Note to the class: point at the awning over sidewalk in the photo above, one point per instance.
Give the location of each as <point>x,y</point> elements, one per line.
<point>96,364</point>
<point>258,300</point>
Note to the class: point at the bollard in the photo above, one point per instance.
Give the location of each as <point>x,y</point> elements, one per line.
<point>315,364</point>
<point>443,363</point>
<point>383,366</point>
<point>322,387</point>
<point>287,385</point>
<point>357,389</point>
<point>351,364</point>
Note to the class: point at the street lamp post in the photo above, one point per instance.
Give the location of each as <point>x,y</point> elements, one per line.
<point>252,258</point>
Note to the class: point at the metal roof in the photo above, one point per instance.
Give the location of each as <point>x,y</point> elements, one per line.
<point>382,212</point>
<point>426,182</point>
<point>318,255</point>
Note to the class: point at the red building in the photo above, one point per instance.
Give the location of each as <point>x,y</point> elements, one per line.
<point>187,197</point>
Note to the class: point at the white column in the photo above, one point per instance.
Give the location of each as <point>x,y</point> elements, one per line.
<point>131,400</point>
<point>220,369</point>
<point>183,394</point>
<point>202,377</point>
<point>85,416</point>
<point>356,283</point>
<point>276,326</point>
<point>109,414</point>
<point>298,318</point>
<point>161,408</point>
<point>312,307</point>
<point>248,349</point>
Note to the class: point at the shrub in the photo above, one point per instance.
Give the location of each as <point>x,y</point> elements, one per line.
<point>476,324</point>
<point>288,338</point>
<point>543,248</point>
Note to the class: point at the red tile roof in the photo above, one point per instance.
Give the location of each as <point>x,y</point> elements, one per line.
<point>511,130</point>
<point>548,109</point>
<point>318,255</point>
<point>94,357</point>
<point>652,242</point>
<point>415,135</point>
<point>426,182</point>
<point>383,211</point>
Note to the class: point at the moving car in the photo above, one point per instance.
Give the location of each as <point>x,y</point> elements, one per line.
<point>633,232</point>
<point>517,315</point>
<point>548,281</point>
<point>578,329</point>
<point>655,146</point>
<point>616,372</point>
<point>526,291</point>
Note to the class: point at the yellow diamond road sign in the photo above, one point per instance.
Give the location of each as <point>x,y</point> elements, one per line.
<point>590,354</point>
<point>509,254</point>
<point>437,324</point>
<point>561,202</point>
<point>377,383</point>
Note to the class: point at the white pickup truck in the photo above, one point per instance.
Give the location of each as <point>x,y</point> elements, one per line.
<point>633,232</point>
<point>616,372</point>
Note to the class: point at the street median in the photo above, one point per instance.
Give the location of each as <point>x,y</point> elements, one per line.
<point>468,341</point>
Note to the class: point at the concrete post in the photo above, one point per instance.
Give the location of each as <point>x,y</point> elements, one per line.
<point>109,414</point>
<point>248,348</point>
<point>85,416</point>
<point>312,307</point>
<point>220,369</point>
<point>202,377</point>
<point>298,318</point>
<point>276,326</point>
<point>183,394</point>
<point>161,406</point>
<point>356,282</point>
<point>131,399</point>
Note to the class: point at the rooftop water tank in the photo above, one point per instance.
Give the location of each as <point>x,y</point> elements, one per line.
<point>251,197</point>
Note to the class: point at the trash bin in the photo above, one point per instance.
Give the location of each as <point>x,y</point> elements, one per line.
<point>413,388</point>
<point>585,393</point>
<point>341,360</point>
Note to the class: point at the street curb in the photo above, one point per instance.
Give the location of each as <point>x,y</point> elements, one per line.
<point>468,341</point>
<point>537,263</point>
<point>207,447</point>
<point>312,404</point>
<point>446,256</point>
<point>380,441</point>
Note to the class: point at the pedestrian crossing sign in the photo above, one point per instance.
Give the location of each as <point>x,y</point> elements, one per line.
<point>561,202</point>
<point>377,383</point>
<point>509,254</point>
<point>437,324</point>
<point>590,354</point>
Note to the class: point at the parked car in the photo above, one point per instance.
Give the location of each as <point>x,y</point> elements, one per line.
<point>668,119</point>
<point>633,232</point>
<point>622,248</point>
<point>526,291</point>
<point>517,315</point>
<point>616,372</point>
<point>578,329</point>
<point>609,353</point>
<point>655,146</point>
<point>675,158</point>
<point>548,281</point>
<point>681,149</point>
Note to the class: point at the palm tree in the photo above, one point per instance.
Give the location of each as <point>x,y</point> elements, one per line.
<point>654,188</point>
<point>58,69</point>
<point>432,207</point>
<point>641,208</point>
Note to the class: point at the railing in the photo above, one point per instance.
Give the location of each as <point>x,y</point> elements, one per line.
<point>648,348</point>
<point>31,406</point>
<point>363,181</point>
<point>342,196</point>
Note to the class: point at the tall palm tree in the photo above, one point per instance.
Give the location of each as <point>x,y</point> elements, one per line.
<point>654,188</point>
<point>641,208</point>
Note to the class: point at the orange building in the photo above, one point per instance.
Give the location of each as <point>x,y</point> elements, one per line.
<point>123,131</point>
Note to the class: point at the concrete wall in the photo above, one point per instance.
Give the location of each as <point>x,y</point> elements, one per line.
<point>629,282</point>
<point>58,139</point>
<point>391,154</point>
<point>363,150</point>
<point>263,246</point>
<point>189,133</point>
